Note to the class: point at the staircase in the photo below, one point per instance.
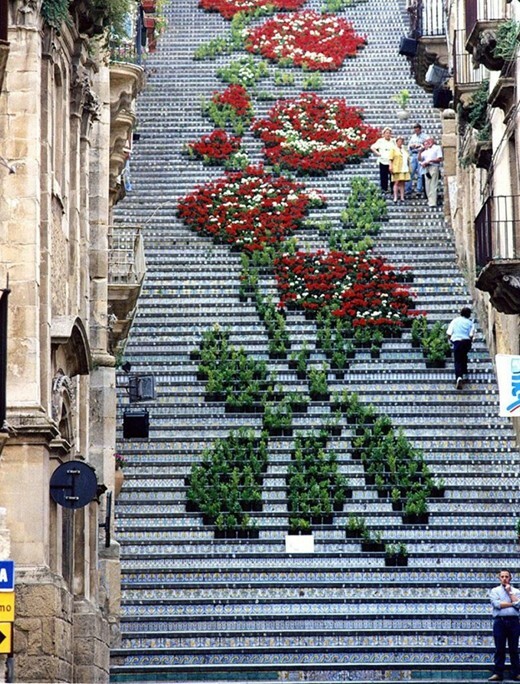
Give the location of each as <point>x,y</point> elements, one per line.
<point>197,608</point>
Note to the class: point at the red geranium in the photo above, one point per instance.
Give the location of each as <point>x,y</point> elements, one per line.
<point>228,8</point>
<point>357,286</point>
<point>235,97</point>
<point>313,134</point>
<point>250,208</point>
<point>319,42</point>
<point>217,146</point>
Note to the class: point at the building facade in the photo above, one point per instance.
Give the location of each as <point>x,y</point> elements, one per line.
<point>473,47</point>
<point>72,281</point>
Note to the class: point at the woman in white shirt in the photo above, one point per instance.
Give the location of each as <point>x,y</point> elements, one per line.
<point>382,148</point>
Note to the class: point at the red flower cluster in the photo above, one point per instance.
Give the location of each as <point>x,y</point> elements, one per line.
<point>313,134</point>
<point>234,96</point>
<point>318,42</point>
<point>250,208</point>
<point>216,146</point>
<point>228,8</point>
<point>356,286</point>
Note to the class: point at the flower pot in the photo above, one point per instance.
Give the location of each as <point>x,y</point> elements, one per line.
<point>372,547</point>
<point>394,561</point>
<point>148,5</point>
<point>413,519</point>
<point>119,478</point>
<point>438,363</point>
<point>403,114</point>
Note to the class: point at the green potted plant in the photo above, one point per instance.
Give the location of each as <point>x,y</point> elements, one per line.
<point>507,39</point>
<point>355,526</point>
<point>372,542</point>
<point>402,98</point>
<point>396,554</point>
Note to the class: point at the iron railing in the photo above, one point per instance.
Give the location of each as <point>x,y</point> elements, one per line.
<point>497,228</point>
<point>126,262</point>
<point>427,18</point>
<point>464,71</point>
<point>483,10</point>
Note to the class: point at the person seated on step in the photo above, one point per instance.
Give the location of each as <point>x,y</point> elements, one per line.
<point>430,161</point>
<point>399,168</point>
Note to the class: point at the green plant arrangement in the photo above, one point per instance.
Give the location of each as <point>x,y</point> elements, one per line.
<point>231,375</point>
<point>56,12</point>
<point>226,486</point>
<point>245,71</point>
<point>318,385</point>
<point>507,39</point>
<point>355,527</point>
<point>436,346</point>
<point>316,488</point>
<point>396,554</point>
<point>475,113</point>
<point>517,529</point>
<point>402,98</point>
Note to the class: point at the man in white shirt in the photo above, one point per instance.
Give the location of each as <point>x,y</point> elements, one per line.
<point>460,332</point>
<point>430,160</point>
<point>415,146</point>
<point>505,600</point>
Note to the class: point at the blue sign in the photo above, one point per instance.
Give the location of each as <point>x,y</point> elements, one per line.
<point>7,575</point>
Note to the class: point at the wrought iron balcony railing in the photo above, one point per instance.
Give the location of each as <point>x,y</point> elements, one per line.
<point>465,76</point>
<point>428,18</point>
<point>497,229</point>
<point>483,11</point>
<point>126,262</point>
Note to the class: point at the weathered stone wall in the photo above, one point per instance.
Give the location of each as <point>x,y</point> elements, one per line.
<point>54,216</point>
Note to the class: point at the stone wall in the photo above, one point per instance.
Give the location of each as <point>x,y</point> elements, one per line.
<point>54,217</point>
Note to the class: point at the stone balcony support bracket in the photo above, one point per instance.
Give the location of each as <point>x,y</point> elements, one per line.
<point>501,279</point>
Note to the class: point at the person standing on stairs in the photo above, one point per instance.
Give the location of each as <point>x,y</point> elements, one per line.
<point>382,148</point>
<point>399,168</point>
<point>415,147</point>
<point>460,333</point>
<point>505,600</point>
<point>430,160</point>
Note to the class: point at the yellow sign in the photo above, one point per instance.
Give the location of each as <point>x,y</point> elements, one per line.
<point>6,637</point>
<point>6,606</point>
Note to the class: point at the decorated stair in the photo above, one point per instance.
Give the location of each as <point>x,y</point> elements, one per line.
<point>196,607</point>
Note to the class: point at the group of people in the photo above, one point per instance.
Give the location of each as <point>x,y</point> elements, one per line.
<point>419,160</point>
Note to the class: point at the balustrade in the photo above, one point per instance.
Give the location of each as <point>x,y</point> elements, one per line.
<point>496,228</point>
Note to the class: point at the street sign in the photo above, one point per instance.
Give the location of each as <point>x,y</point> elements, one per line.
<point>7,606</point>
<point>6,575</point>
<point>6,637</point>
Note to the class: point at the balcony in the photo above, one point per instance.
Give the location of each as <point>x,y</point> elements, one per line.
<point>466,77</point>
<point>428,26</point>
<point>483,17</point>
<point>126,81</point>
<point>126,271</point>
<point>503,94</point>
<point>497,253</point>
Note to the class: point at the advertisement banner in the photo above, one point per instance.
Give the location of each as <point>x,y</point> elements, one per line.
<point>508,373</point>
